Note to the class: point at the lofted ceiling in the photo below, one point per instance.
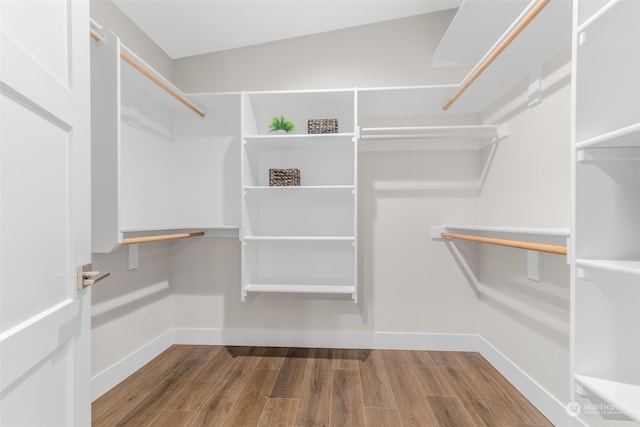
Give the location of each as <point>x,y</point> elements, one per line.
<point>192,27</point>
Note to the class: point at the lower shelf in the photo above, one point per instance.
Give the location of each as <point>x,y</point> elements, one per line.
<point>621,396</point>
<point>306,289</point>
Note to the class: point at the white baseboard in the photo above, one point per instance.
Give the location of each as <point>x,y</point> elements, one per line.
<point>110,377</point>
<point>551,407</point>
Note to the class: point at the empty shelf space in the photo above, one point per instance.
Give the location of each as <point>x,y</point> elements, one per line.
<point>623,397</point>
<point>306,289</point>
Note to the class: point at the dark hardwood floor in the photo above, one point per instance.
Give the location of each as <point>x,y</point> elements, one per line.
<point>253,386</point>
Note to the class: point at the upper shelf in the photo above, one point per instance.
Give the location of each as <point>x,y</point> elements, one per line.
<point>543,38</point>
<point>141,82</point>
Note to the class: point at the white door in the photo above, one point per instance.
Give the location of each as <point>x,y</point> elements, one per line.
<point>44,213</point>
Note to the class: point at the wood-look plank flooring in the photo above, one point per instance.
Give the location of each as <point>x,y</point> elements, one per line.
<point>268,387</point>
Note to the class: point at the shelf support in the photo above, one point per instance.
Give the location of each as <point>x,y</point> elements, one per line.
<point>535,88</point>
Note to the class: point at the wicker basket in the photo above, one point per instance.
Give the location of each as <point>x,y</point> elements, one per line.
<point>322,126</point>
<point>284,177</point>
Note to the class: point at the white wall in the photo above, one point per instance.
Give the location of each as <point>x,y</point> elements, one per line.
<point>392,53</point>
<point>529,185</point>
<point>130,308</point>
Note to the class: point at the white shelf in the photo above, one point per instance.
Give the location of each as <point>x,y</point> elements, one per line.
<point>626,137</point>
<point>622,396</point>
<point>304,289</point>
<point>461,137</point>
<point>300,238</point>
<point>607,85</point>
<point>623,267</point>
<point>276,188</point>
<point>310,137</point>
<point>611,272</point>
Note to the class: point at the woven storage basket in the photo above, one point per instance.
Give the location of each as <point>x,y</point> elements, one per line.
<point>284,177</point>
<point>322,126</point>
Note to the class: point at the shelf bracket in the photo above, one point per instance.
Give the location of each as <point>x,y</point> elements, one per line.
<point>534,265</point>
<point>535,87</point>
<point>133,257</point>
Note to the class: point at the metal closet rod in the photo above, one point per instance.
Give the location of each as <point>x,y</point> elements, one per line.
<point>160,238</point>
<point>98,37</point>
<point>540,247</point>
<point>497,50</point>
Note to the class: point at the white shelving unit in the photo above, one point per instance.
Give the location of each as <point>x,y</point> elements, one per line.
<point>299,239</point>
<point>158,167</point>
<point>606,264</point>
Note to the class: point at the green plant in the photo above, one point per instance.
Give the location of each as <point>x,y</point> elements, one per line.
<point>280,123</point>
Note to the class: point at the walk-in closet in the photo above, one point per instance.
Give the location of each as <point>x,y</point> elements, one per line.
<point>398,213</point>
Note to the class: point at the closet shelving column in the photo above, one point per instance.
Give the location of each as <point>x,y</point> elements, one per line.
<point>299,239</point>
<point>606,264</point>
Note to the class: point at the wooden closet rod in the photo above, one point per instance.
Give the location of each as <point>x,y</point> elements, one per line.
<point>148,239</point>
<point>526,20</point>
<point>540,247</point>
<point>98,37</point>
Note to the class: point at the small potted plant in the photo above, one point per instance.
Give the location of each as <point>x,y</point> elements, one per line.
<point>281,125</point>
